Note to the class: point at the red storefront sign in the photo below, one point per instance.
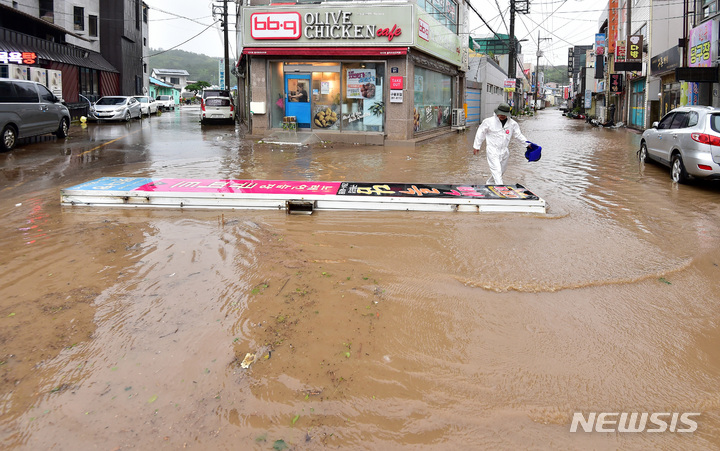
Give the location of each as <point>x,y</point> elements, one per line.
<point>396,82</point>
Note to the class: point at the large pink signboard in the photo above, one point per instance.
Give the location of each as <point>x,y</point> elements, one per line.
<point>240,186</point>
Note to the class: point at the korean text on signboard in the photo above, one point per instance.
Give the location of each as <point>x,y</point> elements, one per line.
<point>510,85</point>
<point>616,82</point>
<point>620,52</point>
<point>635,49</point>
<point>600,44</point>
<point>18,57</point>
<point>700,40</point>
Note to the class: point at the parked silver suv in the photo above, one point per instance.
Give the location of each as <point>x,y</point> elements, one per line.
<point>28,108</point>
<point>687,139</point>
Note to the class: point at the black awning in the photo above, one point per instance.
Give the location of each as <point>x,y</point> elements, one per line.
<point>697,74</point>
<point>61,54</point>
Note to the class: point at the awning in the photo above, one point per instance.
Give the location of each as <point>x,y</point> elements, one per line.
<point>325,51</point>
<point>60,54</point>
<point>697,74</point>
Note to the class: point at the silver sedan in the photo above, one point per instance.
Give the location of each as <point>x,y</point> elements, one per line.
<point>115,108</point>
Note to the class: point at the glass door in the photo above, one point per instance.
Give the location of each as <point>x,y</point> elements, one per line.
<point>297,100</point>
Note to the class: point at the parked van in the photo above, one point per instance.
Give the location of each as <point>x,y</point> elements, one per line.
<point>28,108</point>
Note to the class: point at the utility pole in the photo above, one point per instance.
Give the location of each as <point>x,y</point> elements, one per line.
<point>223,11</point>
<point>537,71</point>
<point>521,7</point>
<point>512,55</point>
<point>225,42</point>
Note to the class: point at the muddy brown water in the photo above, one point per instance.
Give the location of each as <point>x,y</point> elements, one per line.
<point>126,328</point>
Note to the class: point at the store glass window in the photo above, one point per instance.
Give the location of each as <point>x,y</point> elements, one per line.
<point>363,106</point>
<point>326,100</point>
<point>444,11</point>
<point>433,99</point>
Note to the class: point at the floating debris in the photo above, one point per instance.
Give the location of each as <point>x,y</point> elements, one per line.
<point>248,360</point>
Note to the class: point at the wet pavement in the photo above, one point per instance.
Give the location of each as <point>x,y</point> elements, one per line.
<point>126,328</point>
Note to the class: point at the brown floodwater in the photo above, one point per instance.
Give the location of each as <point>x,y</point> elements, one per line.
<point>126,328</point>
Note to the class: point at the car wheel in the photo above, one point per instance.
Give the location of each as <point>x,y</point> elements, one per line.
<point>677,171</point>
<point>127,116</point>
<point>9,138</point>
<point>643,153</point>
<point>62,130</point>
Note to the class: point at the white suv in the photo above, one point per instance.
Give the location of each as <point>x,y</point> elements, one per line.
<point>686,139</point>
<point>165,103</point>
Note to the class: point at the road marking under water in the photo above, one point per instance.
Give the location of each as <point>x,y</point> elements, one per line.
<point>109,142</point>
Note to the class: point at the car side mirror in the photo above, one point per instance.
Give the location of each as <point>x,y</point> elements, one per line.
<point>654,124</point>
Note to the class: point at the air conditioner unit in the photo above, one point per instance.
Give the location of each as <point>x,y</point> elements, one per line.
<point>458,117</point>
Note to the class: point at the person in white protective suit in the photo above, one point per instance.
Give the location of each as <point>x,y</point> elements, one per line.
<point>498,130</point>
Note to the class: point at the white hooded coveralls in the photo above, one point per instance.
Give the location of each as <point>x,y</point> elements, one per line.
<point>498,137</point>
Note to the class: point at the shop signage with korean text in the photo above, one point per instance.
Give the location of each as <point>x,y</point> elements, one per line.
<point>635,49</point>
<point>700,52</point>
<point>620,52</point>
<point>613,16</point>
<point>600,44</point>
<point>396,96</point>
<point>616,82</point>
<point>18,57</point>
<point>509,85</point>
<point>667,61</point>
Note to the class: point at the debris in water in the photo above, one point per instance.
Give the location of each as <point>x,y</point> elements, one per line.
<point>248,360</point>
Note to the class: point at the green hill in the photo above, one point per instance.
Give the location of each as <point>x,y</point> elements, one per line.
<point>200,67</point>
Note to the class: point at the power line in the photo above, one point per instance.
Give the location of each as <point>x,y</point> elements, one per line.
<point>184,42</point>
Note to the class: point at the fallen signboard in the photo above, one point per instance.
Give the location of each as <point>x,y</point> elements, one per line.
<point>299,196</point>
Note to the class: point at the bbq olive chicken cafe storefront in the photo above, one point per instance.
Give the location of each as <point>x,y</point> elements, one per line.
<point>359,74</point>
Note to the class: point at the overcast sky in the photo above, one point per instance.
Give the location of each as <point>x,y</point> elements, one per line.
<point>565,22</point>
<point>173,22</point>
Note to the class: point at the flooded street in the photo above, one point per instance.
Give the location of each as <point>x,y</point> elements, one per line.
<point>126,328</point>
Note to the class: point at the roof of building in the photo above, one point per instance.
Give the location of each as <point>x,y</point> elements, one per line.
<point>171,72</point>
<point>157,82</point>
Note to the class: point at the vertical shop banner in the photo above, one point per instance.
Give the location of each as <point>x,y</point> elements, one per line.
<point>620,52</point>
<point>566,93</point>
<point>612,25</point>
<point>600,44</point>
<point>635,49</point>
<point>361,84</point>
<point>588,98</point>
<point>701,51</point>
<point>694,93</point>
<point>616,82</point>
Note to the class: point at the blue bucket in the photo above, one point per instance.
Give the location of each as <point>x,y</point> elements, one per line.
<point>534,152</point>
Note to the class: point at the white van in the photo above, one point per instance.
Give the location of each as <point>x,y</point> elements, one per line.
<point>28,108</point>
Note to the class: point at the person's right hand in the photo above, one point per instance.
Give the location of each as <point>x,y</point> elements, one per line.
<point>476,151</point>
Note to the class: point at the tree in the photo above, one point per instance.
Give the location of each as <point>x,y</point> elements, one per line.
<point>197,86</point>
